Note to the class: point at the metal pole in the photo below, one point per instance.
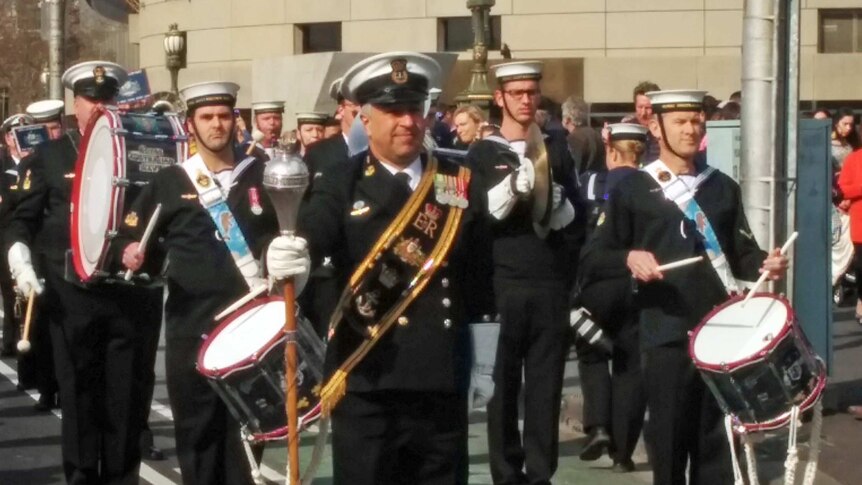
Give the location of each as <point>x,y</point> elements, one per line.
<point>56,61</point>
<point>792,120</point>
<point>756,125</point>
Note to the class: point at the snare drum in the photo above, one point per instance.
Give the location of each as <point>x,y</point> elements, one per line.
<point>119,154</point>
<point>244,362</point>
<point>757,362</point>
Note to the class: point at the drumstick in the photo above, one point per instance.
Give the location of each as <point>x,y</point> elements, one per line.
<point>24,343</point>
<point>680,263</point>
<point>146,237</point>
<point>242,301</point>
<point>256,137</point>
<point>765,274</point>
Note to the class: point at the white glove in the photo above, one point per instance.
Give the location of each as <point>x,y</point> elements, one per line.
<point>525,178</point>
<point>21,267</point>
<point>288,257</point>
<point>562,215</point>
<point>556,196</point>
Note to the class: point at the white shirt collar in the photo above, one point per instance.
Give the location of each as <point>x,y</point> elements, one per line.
<point>414,170</point>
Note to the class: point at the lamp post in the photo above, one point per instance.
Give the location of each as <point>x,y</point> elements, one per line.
<point>479,92</point>
<point>44,76</point>
<point>175,54</point>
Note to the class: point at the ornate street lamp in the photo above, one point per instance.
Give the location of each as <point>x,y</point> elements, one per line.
<point>479,92</point>
<point>175,54</point>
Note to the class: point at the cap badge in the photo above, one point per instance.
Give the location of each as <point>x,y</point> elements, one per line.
<point>202,179</point>
<point>399,71</point>
<point>132,219</point>
<point>99,74</point>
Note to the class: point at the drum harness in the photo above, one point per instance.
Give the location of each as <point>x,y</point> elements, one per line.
<point>682,194</point>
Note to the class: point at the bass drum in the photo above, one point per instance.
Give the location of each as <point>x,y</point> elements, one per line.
<point>118,156</point>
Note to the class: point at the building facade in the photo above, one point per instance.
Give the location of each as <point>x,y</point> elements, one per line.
<point>610,45</point>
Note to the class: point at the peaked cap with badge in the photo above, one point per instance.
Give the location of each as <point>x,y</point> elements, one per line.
<point>96,80</point>
<point>210,93</point>
<point>392,78</point>
<point>46,110</point>
<point>335,90</point>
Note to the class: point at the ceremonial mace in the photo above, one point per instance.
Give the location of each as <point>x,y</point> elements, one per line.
<point>285,179</point>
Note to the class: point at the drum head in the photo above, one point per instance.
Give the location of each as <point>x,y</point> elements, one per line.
<point>735,334</point>
<point>242,339</point>
<point>95,196</point>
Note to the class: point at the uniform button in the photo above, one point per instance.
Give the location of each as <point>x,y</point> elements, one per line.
<point>445,282</point>
<point>447,323</point>
<point>402,320</point>
<point>447,302</point>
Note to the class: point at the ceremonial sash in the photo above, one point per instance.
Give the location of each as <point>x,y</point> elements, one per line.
<point>398,267</point>
<point>213,200</point>
<point>676,190</point>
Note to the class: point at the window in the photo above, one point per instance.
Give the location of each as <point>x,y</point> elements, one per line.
<point>456,34</point>
<point>840,31</point>
<point>323,37</point>
<point>4,103</point>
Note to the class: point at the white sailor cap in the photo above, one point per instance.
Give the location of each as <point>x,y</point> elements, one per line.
<point>18,119</point>
<point>45,110</point>
<point>676,100</point>
<point>99,80</point>
<point>627,131</point>
<point>268,107</point>
<point>391,78</point>
<point>434,94</point>
<point>311,118</point>
<point>518,71</point>
<point>335,90</point>
<point>209,93</point>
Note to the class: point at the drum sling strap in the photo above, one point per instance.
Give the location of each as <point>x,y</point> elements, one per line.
<point>676,190</point>
<point>214,201</point>
<point>399,266</point>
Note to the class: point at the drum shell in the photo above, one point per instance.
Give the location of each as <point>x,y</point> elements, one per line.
<point>760,391</point>
<point>253,389</point>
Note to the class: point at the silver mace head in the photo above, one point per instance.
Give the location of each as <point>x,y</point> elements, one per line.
<point>285,179</point>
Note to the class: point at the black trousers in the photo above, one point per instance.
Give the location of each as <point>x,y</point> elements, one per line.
<point>857,266</point>
<point>147,347</point>
<point>534,340</point>
<point>614,396</point>
<point>686,425</point>
<point>93,333</point>
<point>209,447</point>
<point>36,367</point>
<point>10,323</point>
<point>400,437</point>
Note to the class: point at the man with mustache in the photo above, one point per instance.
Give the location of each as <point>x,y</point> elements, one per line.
<point>533,272</point>
<point>404,230</point>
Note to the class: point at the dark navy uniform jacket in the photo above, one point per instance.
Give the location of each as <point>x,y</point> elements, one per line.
<point>431,351</point>
<point>639,217</point>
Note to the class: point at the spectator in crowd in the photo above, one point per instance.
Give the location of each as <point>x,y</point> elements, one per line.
<point>710,107</point>
<point>850,187</point>
<point>822,114</point>
<point>845,138</point>
<point>736,97</point>
<point>468,122</point>
<point>585,143</point>
<point>643,115</point>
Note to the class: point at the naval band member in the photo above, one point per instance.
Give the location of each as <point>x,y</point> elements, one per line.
<point>48,112</point>
<point>93,327</point>
<point>309,129</point>
<point>11,159</point>
<point>269,120</point>
<point>533,273</point>
<point>677,208</point>
<point>402,414</point>
<point>614,401</point>
<point>205,274</point>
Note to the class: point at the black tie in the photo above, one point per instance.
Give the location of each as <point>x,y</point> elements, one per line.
<point>404,179</point>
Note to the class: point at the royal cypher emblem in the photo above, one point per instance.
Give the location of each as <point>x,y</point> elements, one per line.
<point>664,176</point>
<point>132,219</point>
<point>203,179</point>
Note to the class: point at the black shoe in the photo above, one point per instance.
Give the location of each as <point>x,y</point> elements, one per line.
<point>154,454</point>
<point>625,466</point>
<point>46,402</point>
<point>596,444</point>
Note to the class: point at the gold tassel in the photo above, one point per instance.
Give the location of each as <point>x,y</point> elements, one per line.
<point>333,391</point>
